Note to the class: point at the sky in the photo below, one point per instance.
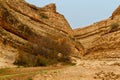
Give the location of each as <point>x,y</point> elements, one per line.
<point>80,13</point>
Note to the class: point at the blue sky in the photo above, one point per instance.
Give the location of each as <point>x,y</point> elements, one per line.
<point>80,13</point>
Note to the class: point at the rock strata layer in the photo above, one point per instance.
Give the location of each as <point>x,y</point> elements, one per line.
<point>30,31</point>
<point>101,39</point>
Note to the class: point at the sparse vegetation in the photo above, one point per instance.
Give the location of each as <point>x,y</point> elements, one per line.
<point>3,70</point>
<point>8,17</point>
<point>114,24</point>
<point>25,60</point>
<point>25,29</point>
<point>114,27</point>
<point>43,15</point>
<point>44,53</point>
<point>30,79</point>
<point>42,61</point>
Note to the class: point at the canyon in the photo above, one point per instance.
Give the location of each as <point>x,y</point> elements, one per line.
<point>28,30</point>
<point>31,37</point>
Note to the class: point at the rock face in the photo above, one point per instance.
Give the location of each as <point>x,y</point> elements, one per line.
<point>31,31</point>
<point>35,36</point>
<point>102,39</point>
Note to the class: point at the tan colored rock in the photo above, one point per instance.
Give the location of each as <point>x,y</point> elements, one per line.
<point>50,7</point>
<point>116,12</point>
<point>101,39</point>
<point>34,32</point>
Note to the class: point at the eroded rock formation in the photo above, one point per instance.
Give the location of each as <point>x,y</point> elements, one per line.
<point>101,39</point>
<point>30,34</point>
<point>31,31</point>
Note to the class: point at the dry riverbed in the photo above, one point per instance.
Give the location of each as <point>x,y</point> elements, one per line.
<point>108,69</point>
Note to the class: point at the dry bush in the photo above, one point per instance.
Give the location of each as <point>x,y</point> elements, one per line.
<point>25,59</point>
<point>45,52</point>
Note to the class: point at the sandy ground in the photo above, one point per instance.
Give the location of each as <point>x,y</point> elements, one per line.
<point>4,63</point>
<point>85,70</point>
<point>107,69</point>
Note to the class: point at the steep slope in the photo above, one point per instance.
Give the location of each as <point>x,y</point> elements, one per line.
<point>102,39</point>
<point>29,33</point>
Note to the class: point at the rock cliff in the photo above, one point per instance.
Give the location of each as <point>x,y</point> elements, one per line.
<point>39,36</point>
<point>101,39</point>
<point>30,34</point>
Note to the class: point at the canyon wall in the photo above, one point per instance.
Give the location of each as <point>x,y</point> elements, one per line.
<point>27,31</point>
<point>101,39</point>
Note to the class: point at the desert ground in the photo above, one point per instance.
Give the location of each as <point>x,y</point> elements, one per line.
<point>106,69</point>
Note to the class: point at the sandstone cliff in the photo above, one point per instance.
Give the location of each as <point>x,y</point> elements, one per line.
<point>38,36</point>
<point>101,39</point>
<point>34,34</point>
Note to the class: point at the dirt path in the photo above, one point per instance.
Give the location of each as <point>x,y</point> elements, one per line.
<point>85,70</point>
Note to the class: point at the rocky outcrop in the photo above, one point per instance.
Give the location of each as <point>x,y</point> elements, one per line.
<point>101,39</point>
<point>32,31</point>
<point>37,36</point>
<point>116,12</point>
